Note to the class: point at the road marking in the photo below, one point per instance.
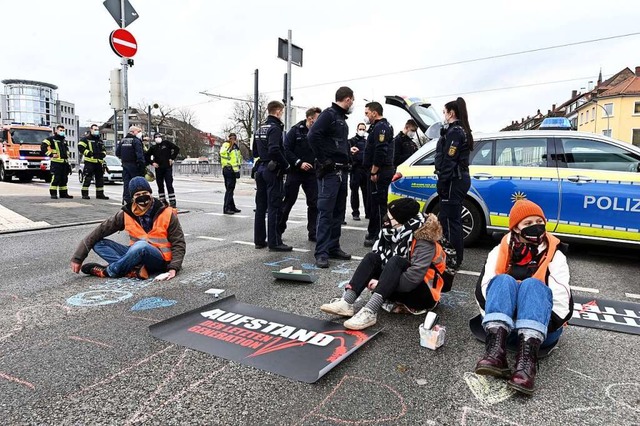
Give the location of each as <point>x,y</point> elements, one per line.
<point>187,235</point>
<point>245,243</point>
<point>231,215</point>
<point>115,204</point>
<point>586,289</point>
<point>354,228</point>
<point>633,296</point>
<point>472,273</point>
<point>301,250</point>
<point>356,258</point>
<point>210,238</point>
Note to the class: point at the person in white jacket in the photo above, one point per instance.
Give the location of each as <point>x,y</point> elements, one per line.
<point>524,294</point>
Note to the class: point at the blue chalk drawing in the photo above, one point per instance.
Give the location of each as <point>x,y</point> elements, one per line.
<point>310,266</point>
<point>454,298</point>
<point>278,262</point>
<point>204,278</point>
<point>343,269</point>
<point>99,297</point>
<point>342,284</point>
<point>152,303</point>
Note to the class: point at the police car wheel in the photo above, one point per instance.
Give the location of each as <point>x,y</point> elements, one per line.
<point>472,222</point>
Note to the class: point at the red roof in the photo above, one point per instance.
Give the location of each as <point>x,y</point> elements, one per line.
<point>630,86</point>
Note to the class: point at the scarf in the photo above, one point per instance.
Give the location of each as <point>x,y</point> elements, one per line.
<point>143,214</point>
<point>397,241</point>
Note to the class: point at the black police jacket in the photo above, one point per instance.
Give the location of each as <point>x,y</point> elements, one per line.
<point>130,150</point>
<point>404,147</point>
<point>162,152</point>
<point>268,142</point>
<point>296,146</point>
<point>379,149</point>
<point>328,136</point>
<point>359,142</point>
<point>452,153</point>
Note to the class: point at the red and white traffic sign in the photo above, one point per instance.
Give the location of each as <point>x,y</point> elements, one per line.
<point>123,43</point>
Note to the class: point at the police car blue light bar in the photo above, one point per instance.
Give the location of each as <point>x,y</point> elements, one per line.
<point>555,123</point>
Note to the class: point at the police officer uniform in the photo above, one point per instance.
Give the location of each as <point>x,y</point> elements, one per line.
<point>131,152</point>
<point>328,140</point>
<point>272,165</point>
<point>359,177</point>
<point>378,152</point>
<point>163,153</point>
<point>298,151</point>
<point>92,149</point>
<point>404,147</point>
<point>55,147</point>
<point>452,168</point>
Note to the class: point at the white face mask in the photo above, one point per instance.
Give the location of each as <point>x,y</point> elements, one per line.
<point>366,120</point>
<point>158,140</point>
<point>411,134</point>
<point>139,135</point>
<point>361,133</point>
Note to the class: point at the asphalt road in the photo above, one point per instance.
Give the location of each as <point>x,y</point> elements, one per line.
<point>63,364</point>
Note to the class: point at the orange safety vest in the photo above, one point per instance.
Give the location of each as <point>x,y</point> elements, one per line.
<point>157,237</point>
<point>504,257</point>
<point>433,276</point>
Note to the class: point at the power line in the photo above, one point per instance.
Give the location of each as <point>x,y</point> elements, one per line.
<point>467,61</point>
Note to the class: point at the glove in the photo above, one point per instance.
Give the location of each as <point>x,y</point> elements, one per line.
<point>100,155</point>
<point>237,175</point>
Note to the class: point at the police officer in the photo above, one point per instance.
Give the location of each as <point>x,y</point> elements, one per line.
<point>403,143</point>
<point>359,176</point>
<point>92,149</point>
<point>131,152</point>
<point>55,147</point>
<point>328,140</point>
<point>230,160</point>
<point>271,167</point>
<point>452,169</point>
<point>162,153</point>
<point>378,159</point>
<point>301,159</point>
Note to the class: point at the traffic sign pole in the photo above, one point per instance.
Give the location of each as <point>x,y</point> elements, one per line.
<point>125,86</point>
<point>288,104</point>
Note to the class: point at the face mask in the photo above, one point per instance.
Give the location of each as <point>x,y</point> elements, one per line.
<point>361,133</point>
<point>158,140</point>
<point>350,110</point>
<point>96,133</point>
<point>366,120</point>
<point>139,135</point>
<point>142,200</point>
<point>533,233</point>
<point>61,134</point>
<point>411,134</point>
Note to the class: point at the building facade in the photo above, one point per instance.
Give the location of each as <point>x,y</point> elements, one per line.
<point>37,103</point>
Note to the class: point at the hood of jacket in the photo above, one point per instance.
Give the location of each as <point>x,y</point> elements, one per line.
<point>431,230</point>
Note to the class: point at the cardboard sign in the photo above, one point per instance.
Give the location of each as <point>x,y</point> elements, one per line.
<point>623,317</point>
<point>293,346</point>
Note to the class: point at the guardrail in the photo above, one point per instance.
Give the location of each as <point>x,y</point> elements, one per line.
<point>207,169</point>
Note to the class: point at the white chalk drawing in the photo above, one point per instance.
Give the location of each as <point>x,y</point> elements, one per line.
<point>342,284</point>
<point>471,416</point>
<point>20,317</point>
<point>204,278</point>
<point>454,298</point>
<point>488,390</point>
<point>284,260</point>
<point>99,298</point>
<point>625,394</point>
<point>343,268</point>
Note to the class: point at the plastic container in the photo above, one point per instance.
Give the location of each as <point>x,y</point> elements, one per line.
<point>433,338</point>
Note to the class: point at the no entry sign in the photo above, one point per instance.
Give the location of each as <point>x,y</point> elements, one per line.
<point>123,43</point>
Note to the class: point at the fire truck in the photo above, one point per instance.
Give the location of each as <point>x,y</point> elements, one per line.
<point>20,153</point>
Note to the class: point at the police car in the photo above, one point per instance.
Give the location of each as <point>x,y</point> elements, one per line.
<point>588,185</point>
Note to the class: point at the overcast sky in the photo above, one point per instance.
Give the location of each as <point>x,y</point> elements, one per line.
<point>188,46</point>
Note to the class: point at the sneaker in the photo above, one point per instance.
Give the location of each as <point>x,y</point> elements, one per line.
<point>139,272</point>
<point>236,210</point>
<point>338,307</point>
<point>363,319</point>
<point>95,269</point>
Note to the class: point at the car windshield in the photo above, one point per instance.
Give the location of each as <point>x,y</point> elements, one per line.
<point>112,161</point>
<point>29,136</point>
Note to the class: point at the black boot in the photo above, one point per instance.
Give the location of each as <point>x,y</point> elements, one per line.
<point>53,193</point>
<point>524,376</point>
<point>100,195</point>
<point>65,194</point>
<point>494,362</point>
<point>85,194</point>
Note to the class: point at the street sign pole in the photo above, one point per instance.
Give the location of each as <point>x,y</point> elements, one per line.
<point>288,107</point>
<point>256,105</point>
<point>125,86</point>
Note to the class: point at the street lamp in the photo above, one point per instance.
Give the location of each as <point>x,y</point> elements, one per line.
<point>155,106</point>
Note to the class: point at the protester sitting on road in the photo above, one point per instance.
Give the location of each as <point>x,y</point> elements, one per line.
<point>523,294</point>
<point>156,241</point>
<point>405,266</point>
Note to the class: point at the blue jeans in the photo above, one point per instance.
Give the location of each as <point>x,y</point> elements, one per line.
<point>123,259</point>
<point>529,302</point>
<point>332,204</point>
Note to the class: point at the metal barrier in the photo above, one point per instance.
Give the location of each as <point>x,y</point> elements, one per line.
<point>207,169</point>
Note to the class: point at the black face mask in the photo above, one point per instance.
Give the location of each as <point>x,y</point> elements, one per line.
<point>142,200</point>
<point>533,233</point>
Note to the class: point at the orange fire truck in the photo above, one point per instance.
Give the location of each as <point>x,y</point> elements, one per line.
<point>20,153</point>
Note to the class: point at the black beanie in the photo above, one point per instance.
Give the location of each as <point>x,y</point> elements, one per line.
<point>403,209</point>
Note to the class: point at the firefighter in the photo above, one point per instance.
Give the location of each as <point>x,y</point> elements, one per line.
<point>55,147</point>
<point>92,149</point>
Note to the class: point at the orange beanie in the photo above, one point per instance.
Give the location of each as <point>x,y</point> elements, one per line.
<point>523,209</point>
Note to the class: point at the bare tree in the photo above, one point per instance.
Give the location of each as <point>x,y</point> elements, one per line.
<point>241,124</point>
<point>188,137</point>
<point>160,114</point>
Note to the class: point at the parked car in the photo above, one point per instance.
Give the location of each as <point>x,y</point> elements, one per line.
<point>588,185</point>
<point>112,170</point>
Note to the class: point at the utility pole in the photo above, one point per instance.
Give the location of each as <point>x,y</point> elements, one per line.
<point>255,105</point>
<point>288,104</point>
<point>125,87</point>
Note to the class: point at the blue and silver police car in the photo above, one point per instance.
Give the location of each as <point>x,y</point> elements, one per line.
<point>588,185</point>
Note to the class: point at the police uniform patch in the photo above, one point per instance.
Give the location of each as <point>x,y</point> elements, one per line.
<point>452,151</point>
<point>381,136</point>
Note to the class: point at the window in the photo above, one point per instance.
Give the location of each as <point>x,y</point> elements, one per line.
<point>609,109</point>
<point>581,117</point>
<point>587,115</point>
<point>593,113</point>
<point>635,137</point>
<point>525,152</point>
<point>636,108</point>
<point>606,132</point>
<point>482,154</point>
<point>598,155</point>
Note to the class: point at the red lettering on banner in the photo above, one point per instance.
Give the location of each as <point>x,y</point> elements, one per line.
<point>229,334</point>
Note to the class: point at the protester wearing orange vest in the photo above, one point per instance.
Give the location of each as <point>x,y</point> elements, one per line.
<point>405,266</point>
<point>523,294</point>
<point>156,241</point>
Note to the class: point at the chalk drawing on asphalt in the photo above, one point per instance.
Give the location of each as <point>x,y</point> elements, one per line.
<point>152,303</point>
<point>99,298</point>
<point>488,390</point>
